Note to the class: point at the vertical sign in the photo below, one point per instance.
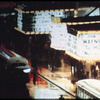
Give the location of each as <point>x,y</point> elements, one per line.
<point>71,43</point>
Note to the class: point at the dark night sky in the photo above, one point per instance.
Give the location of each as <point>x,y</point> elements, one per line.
<point>52,4</point>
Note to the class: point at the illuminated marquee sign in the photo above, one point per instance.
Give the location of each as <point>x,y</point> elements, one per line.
<point>90,45</point>
<point>37,21</point>
<point>71,43</point>
<point>42,21</point>
<point>58,36</point>
<point>82,45</point>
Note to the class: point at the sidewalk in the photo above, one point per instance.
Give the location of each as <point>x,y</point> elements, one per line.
<point>60,76</point>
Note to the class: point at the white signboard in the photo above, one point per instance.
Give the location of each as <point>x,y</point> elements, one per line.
<point>58,36</point>
<point>90,45</point>
<point>71,45</point>
<point>41,20</point>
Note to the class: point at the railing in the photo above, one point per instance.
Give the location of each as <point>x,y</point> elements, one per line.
<point>53,83</point>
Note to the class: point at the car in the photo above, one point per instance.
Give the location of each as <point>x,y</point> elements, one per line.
<point>13,67</point>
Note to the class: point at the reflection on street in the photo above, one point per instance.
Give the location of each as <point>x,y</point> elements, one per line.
<point>45,90</point>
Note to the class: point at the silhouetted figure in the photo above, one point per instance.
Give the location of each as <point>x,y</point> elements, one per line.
<point>34,65</point>
<point>61,98</point>
<point>34,79</point>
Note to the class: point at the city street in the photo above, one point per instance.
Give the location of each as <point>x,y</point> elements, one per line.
<point>44,90</point>
<point>54,44</point>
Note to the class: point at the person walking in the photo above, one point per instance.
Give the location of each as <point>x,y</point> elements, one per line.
<point>34,65</point>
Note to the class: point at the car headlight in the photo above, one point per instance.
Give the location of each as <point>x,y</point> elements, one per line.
<point>26,70</point>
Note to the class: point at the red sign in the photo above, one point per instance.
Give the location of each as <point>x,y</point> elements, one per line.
<point>7,4</point>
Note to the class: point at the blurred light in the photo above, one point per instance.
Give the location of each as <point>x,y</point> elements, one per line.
<point>4,54</point>
<point>18,9</point>
<point>32,11</point>
<point>71,9</point>
<point>4,15</point>
<point>28,33</point>
<point>97,68</point>
<point>26,70</point>
<point>86,8</point>
<point>27,11</point>
<point>88,32</point>
<point>19,30</point>
<point>53,2</point>
<point>13,13</point>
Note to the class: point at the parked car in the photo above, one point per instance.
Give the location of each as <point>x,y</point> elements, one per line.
<point>13,67</point>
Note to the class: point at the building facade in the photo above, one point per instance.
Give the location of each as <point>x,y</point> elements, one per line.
<point>82,45</point>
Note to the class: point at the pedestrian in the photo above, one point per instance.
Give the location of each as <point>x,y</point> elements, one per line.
<point>61,98</point>
<point>34,65</point>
